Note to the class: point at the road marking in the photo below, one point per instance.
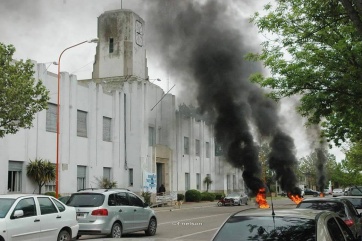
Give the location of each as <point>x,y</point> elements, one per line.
<point>183,220</point>
<point>213,229</point>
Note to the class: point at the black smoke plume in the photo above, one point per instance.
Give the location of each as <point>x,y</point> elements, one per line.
<point>204,44</point>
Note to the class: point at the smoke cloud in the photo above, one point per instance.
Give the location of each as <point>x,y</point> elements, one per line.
<point>204,44</point>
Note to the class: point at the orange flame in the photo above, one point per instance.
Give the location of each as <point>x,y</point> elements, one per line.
<point>321,194</point>
<point>295,198</point>
<point>261,199</point>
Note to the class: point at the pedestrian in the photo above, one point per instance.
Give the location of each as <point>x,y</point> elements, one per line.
<point>162,189</point>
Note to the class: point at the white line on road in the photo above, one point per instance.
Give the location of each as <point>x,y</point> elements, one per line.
<point>195,233</point>
<point>192,219</point>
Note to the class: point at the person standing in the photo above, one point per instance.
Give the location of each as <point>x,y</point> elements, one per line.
<point>162,189</point>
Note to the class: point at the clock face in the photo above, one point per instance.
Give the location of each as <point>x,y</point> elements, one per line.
<point>139,33</point>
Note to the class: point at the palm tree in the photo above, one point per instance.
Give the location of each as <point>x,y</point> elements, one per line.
<point>106,183</point>
<point>208,182</point>
<point>41,171</point>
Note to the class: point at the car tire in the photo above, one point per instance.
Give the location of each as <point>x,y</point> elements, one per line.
<point>152,227</point>
<point>64,235</point>
<point>116,231</point>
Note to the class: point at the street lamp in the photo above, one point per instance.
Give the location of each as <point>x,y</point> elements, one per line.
<point>95,40</point>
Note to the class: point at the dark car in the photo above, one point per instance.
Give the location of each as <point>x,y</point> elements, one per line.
<point>341,207</point>
<point>308,191</point>
<point>353,191</point>
<point>356,201</point>
<point>284,224</point>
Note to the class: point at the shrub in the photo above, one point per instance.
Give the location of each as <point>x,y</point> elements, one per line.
<point>192,196</point>
<point>220,195</point>
<point>208,196</point>
<point>147,197</point>
<point>180,197</point>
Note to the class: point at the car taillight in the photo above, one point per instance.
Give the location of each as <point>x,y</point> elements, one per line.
<point>349,222</point>
<point>100,212</point>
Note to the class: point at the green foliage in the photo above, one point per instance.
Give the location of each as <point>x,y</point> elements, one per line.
<point>104,182</point>
<point>21,95</point>
<point>207,196</point>
<point>147,197</point>
<point>41,171</point>
<point>180,197</point>
<point>313,50</point>
<point>207,181</point>
<point>192,196</point>
<point>218,196</point>
<point>52,194</point>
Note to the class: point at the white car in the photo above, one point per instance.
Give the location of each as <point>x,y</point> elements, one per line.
<point>36,217</point>
<point>337,192</point>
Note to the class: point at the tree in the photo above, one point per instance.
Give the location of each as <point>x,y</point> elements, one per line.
<point>207,181</point>
<point>21,95</point>
<point>106,183</point>
<point>41,171</point>
<point>354,156</point>
<point>313,50</point>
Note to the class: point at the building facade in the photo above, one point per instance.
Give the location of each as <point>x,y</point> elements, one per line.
<point>117,125</point>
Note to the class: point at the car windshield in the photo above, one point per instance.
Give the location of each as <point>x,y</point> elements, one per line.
<point>5,205</point>
<point>357,202</point>
<point>86,200</point>
<point>233,195</point>
<point>267,228</point>
<point>330,206</point>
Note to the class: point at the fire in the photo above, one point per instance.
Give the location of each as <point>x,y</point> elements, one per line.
<point>295,198</point>
<point>321,194</point>
<point>261,199</point>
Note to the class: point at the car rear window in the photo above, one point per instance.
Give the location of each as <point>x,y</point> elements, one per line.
<point>267,228</point>
<point>330,206</point>
<point>86,200</point>
<point>357,202</point>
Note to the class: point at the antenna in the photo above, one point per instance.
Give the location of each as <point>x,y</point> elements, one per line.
<point>121,4</point>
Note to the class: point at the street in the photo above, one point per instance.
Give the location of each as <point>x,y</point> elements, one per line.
<point>196,221</point>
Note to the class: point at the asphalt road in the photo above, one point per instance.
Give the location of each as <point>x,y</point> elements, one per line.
<point>193,221</point>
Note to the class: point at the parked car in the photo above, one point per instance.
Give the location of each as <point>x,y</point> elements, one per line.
<point>354,191</point>
<point>337,192</point>
<point>235,198</point>
<point>36,217</point>
<point>64,199</point>
<point>341,207</point>
<point>113,212</point>
<point>327,191</point>
<point>284,224</point>
<point>356,201</point>
<point>308,191</point>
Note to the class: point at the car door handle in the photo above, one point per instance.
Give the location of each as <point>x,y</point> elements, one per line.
<point>36,220</point>
<point>59,216</point>
<point>120,210</point>
<point>135,210</point>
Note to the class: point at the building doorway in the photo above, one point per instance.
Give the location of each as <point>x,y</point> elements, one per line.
<point>160,174</point>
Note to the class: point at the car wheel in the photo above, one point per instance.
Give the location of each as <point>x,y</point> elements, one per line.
<point>64,235</point>
<point>116,231</point>
<point>152,227</point>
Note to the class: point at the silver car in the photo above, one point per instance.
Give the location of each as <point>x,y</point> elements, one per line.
<point>36,217</point>
<point>284,224</point>
<point>113,212</point>
<point>236,198</point>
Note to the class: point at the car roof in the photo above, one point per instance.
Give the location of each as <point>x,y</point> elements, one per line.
<point>102,190</point>
<point>284,212</point>
<point>318,199</point>
<point>19,195</point>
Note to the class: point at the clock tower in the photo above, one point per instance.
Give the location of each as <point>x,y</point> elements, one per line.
<point>121,49</point>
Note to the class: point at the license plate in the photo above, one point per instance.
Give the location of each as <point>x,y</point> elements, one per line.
<point>81,215</point>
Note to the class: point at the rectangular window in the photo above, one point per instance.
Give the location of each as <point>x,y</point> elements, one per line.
<point>197,147</point>
<point>81,177</point>
<point>82,123</point>
<point>50,186</point>
<point>186,145</point>
<point>151,136</point>
<point>14,176</point>
<point>187,181</point>
<point>107,129</point>
<point>111,45</point>
<point>234,182</point>
<point>130,177</point>
<point>207,150</point>
<point>198,181</point>
<point>51,118</point>
<point>107,173</point>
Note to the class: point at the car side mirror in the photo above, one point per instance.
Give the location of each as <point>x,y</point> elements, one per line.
<point>18,213</point>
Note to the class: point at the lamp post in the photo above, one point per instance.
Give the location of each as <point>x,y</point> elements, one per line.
<point>95,40</point>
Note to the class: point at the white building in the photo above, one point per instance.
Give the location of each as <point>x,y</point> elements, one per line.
<point>117,125</point>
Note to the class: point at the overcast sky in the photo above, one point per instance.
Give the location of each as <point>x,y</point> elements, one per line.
<point>41,29</point>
